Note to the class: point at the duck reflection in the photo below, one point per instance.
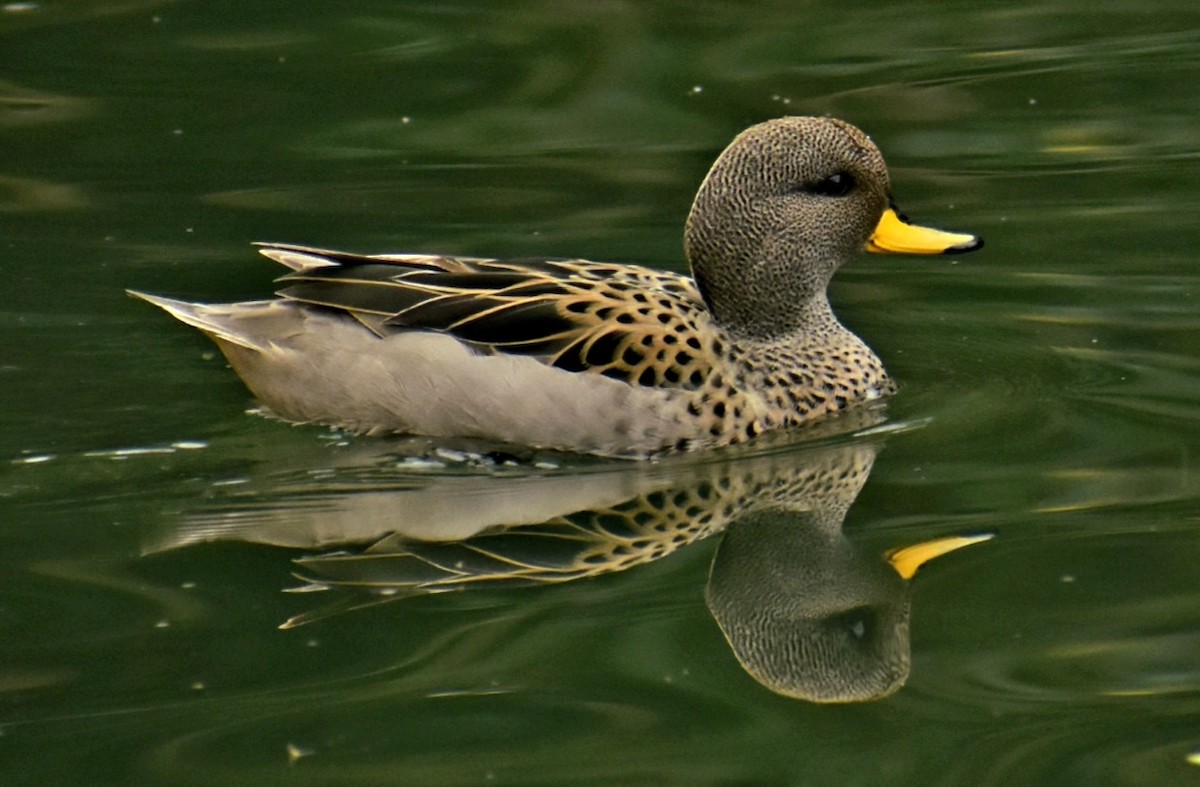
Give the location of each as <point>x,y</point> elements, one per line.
<point>807,613</point>
<point>810,616</point>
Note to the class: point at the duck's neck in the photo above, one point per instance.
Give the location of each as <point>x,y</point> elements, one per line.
<point>765,304</point>
<point>783,321</point>
<point>818,368</point>
<point>822,334</point>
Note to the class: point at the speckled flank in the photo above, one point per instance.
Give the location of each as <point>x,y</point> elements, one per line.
<point>749,345</point>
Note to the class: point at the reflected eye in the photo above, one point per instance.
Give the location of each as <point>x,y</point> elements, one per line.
<point>837,185</point>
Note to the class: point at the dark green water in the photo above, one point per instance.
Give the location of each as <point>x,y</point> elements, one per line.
<point>1050,389</point>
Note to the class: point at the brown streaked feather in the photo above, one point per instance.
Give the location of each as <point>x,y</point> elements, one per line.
<point>641,326</point>
<point>492,320</point>
<point>364,293</point>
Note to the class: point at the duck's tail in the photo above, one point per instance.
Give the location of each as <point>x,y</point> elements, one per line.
<point>216,320</point>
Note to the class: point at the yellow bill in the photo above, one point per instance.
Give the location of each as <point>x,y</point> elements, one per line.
<point>894,235</point>
<point>906,561</point>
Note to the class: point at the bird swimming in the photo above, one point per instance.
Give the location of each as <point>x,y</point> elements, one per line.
<point>593,357</point>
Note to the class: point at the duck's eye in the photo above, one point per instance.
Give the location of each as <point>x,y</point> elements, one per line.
<point>837,185</point>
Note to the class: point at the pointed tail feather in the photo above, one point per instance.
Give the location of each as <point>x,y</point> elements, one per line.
<point>216,321</point>
<point>301,258</point>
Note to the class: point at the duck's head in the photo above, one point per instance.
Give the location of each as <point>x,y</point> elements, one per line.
<point>786,204</point>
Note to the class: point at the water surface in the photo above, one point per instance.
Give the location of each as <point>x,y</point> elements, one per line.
<point>1048,390</point>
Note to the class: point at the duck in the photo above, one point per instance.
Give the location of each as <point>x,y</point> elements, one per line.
<point>591,357</point>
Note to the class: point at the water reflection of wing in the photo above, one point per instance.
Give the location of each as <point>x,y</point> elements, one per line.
<point>686,504</point>
<point>319,513</point>
<point>315,495</point>
<point>806,613</point>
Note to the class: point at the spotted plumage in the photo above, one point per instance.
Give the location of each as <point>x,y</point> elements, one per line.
<point>595,357</point>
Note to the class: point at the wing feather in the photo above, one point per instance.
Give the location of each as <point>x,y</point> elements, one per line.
<point>622,321</point>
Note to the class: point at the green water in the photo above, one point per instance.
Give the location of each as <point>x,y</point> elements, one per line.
<point>1049,391</point>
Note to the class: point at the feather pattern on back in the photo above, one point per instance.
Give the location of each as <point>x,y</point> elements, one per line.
<point>637,325</point>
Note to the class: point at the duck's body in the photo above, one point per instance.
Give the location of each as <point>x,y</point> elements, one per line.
<point>593,357</point>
